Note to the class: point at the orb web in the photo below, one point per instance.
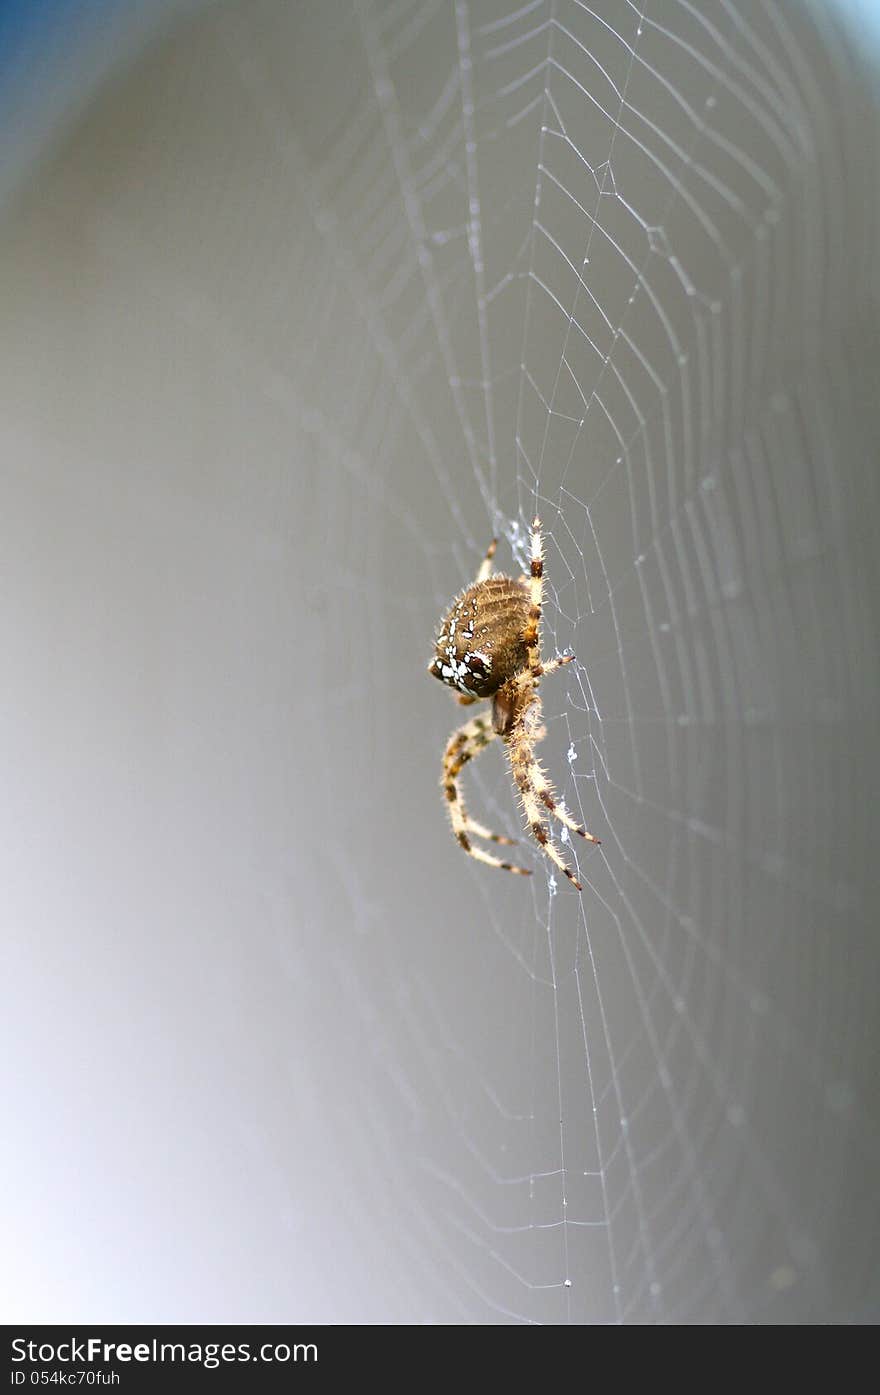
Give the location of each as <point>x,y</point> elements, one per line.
<point>614,263</point>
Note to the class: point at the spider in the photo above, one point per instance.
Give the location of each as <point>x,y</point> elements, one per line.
<point>488,647</point>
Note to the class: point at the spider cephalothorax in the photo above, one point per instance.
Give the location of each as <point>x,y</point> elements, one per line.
<point>489,647</point>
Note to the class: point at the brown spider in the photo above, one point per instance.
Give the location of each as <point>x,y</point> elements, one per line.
<point>488,647</point>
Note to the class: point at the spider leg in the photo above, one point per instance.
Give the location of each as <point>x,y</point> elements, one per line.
<point>524,683</point>
<point>545,794</point>
<point>535,789</point>
<point>536,593</point>
<point>522,765</point>
<point>541,783</point>
<point>463,746</point>
<point>486,564</point>
<point>553,664</point>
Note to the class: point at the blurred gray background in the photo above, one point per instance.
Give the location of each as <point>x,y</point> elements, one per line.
<point>301,303</point>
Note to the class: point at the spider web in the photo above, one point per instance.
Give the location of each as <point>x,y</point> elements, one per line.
<point>615,263</point>
<point>617,260</point>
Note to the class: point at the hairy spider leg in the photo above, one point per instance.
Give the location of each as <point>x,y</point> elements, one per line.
<point>464,745</point>
<point>486,565</point>
<point>543,786</point>
<point>534,790</point>
<point>463,748</point>
<point>536,593</point>
<point>552,665</point>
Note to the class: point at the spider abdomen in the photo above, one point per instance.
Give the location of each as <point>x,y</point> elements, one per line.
<point>482,641</point>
